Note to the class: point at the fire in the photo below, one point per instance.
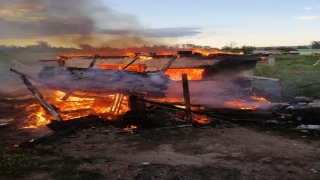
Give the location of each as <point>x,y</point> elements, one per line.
<point>201,119</point>
<point>67,56</point>
<point>193,73</point>
<point>77,106</point>
<point>38,116</point>
<point>145,58</point>
<point>214,51</point>
<point>132,67</point>
<point>241,105</point>
<point>260,99</point>
<point>130,128</point>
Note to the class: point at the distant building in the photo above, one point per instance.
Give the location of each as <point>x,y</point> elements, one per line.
<point>309,51</point>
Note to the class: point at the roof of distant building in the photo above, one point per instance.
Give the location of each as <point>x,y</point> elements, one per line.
<point>308,50</point>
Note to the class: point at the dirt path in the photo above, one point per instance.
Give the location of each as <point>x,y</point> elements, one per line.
<point>196,153</point>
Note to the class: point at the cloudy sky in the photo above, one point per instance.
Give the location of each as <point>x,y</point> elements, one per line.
<point>130,23</point>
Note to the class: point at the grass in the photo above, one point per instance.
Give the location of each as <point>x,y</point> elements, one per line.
<point>18,162</point>
<point>293,73</point>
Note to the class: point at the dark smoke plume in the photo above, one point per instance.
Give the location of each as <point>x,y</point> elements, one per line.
<point>82,21</point>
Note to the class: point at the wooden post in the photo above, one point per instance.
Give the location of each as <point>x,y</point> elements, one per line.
<point>133,102</point>
<point>186,95</point>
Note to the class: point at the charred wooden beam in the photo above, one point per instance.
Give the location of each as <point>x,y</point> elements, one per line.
<point>171,106</point>
<point>93,61</point>
<point>165,67</point>
<point>66,96</point>
<point>186,95</point>
<point>42,100</point>
<point>124,68</point>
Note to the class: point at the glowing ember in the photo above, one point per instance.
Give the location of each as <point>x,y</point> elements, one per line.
<point>193,73</point>
<point>67,56</point>
<point>250,108</point>
<point>132,67</point>
<point>131,127</point>
<point>260,99</point>
<point>241,105</point>
<point>145,58</point>
<point>214,51</point>
<point>201,119</point>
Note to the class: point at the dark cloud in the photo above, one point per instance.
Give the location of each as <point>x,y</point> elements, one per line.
<point>34,18</point>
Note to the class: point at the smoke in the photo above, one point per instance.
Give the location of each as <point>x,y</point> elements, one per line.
<point>79,21</point>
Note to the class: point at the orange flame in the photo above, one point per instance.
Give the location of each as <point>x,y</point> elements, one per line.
<point>260,99</point>
<point>214,51</point>
<point>193,73</point>
<point>241,104</point>
<point>74,107</point>
<point>71,55</point>
<point>145,58</point>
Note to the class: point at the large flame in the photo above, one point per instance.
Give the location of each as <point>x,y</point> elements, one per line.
<point>77,106</point>
<point>193,73</point>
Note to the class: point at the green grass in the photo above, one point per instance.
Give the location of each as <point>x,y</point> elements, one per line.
<point>18,162</point>
<point>293,72</point>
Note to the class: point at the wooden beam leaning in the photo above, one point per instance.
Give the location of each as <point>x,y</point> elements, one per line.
<point>165,67</point>
<point>124,68</point>
<point>93,61</point>
<point>42,100</point>
<point>186,95</point>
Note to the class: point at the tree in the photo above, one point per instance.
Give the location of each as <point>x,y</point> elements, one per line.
<point>43,44</point>
<point>303,47</point>
<point>247,49</point>
<point>285,49</point>
<point>315,45</point>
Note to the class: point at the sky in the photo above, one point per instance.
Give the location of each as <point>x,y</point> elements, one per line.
<point>126,23</point>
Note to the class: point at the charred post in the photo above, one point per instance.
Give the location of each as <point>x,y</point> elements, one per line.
<point>133,102</point>
<point>186,95</point>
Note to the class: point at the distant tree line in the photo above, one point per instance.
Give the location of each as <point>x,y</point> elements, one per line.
<point>40,46</point>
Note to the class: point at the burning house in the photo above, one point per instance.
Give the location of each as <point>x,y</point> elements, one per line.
<point>80,85</point>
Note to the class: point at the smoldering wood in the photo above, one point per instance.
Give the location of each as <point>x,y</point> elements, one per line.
<point>186,95</point>
<point>42,100</point>
<point>147,118</point>
<point>172,107</point>
<point>74,123</point>
<point>104,81</point>
<point>61,129</point>
<point>133,102</point>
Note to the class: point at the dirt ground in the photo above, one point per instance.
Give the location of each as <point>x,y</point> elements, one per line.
<point>222,151</point>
